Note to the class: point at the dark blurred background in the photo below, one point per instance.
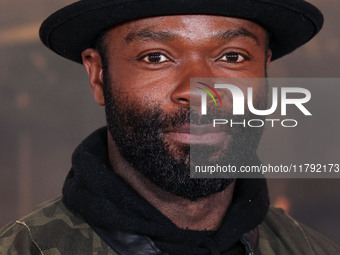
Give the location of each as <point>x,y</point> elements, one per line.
<point>47,109</point>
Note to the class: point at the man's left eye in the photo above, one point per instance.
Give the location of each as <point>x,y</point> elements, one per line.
<point>234,57</point>
<point>154,58</point>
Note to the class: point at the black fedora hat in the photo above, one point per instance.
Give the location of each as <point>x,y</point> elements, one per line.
<point>69,31</point>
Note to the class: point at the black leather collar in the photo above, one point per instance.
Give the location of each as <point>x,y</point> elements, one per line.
<point>125,243</point>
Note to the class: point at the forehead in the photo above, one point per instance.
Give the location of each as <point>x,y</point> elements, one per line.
<point>193,27</point>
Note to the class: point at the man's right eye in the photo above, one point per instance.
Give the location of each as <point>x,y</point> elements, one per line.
<point>154,58</point>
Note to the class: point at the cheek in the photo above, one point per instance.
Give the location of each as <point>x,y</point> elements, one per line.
<point>128,91</point>
<point>259,96</point>
<point>147,88</point>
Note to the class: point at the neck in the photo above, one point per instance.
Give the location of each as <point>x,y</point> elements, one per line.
<point>203,214</point>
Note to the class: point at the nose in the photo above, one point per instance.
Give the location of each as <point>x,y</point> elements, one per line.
<point>185,92</point>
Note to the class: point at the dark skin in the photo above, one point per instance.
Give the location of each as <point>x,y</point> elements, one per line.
<point>151,61</point>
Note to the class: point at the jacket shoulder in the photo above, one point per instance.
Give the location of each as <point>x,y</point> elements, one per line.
<point>281,234</point>
<point>51,229</point>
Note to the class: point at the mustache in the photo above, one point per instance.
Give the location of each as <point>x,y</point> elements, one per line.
<point>190,116</point>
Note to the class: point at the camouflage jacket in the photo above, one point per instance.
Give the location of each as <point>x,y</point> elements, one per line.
<point>52,229</point>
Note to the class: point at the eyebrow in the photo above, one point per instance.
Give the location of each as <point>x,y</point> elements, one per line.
<point>234,33</point>
<point>148,34</point>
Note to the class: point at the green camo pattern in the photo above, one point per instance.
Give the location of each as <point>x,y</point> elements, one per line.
<point>52,229</point>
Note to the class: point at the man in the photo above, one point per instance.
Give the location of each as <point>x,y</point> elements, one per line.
<point>129,190</point>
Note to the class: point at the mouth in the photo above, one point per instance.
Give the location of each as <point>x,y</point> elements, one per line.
<point>197,134</point>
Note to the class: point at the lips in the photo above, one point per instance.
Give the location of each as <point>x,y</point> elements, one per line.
<point>197,134</point>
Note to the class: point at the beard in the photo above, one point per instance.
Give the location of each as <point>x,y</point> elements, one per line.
<point>138,131</point>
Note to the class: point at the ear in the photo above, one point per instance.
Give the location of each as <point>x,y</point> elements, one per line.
<point>93,64</point>
<point>269,57</point>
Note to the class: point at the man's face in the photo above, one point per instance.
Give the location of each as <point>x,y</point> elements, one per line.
<point>147,74</point>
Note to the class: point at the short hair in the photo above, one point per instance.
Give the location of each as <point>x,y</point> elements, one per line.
<point>101,46</point>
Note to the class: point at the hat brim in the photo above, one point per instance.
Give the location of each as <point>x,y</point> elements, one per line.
<point>71,30</point>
